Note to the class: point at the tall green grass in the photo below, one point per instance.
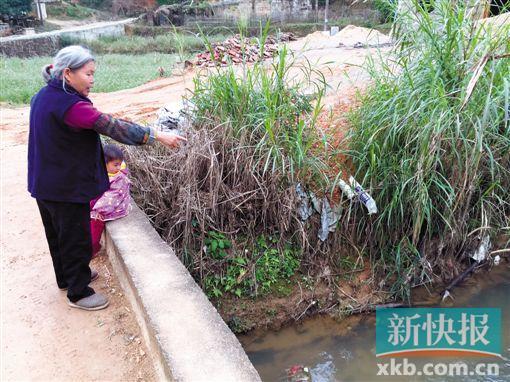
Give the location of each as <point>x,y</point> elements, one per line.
<point>21,78</point>
<point>265,108</point>
<point>435,155</point>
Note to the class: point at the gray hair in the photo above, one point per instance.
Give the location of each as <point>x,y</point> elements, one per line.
<point>72,57</point>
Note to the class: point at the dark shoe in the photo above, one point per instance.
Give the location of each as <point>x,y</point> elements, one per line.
<point>93,276</point>
<point>93,302</point>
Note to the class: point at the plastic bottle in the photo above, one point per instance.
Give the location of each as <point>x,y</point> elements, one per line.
<point>364,197</point>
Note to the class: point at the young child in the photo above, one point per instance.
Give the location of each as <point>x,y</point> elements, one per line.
<point>115,202</point>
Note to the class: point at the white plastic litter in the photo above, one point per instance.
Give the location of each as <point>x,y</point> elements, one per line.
<point>329,219</point>
<point>175,116</point>
<point>446,295</point>
<point>481,252</point>
<point>346,189</point>
<point>309,203</point>
<point>497,260</point>
<point>316,203</point>
<point>364,196</point>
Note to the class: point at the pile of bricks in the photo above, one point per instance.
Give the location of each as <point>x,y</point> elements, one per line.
<point>237,50</point>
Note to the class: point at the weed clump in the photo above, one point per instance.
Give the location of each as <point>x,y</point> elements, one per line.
<point>217,199</point>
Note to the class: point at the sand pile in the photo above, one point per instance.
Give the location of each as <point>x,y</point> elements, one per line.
<point>351,36</point>
<point>499,21</point>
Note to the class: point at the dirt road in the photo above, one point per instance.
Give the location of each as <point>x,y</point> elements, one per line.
<point>44,339</point>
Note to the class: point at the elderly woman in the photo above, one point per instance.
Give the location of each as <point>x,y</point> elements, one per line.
<point>66,166</point>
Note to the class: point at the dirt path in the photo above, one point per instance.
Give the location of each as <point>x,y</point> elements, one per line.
<point>44,339</point>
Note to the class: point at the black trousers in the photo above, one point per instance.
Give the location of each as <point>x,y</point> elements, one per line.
<point>67,227</point>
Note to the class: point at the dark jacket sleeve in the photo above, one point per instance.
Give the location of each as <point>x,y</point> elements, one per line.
<point>123,131</point>
<point>84,115</point>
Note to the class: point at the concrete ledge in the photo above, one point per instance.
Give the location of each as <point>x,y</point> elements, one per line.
<point>48,43</point>
<point>185,334</point>
<point>84,31</point>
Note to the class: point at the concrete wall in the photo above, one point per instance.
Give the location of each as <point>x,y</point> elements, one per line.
<point>228,12</point>
<point>276,10</point>
<point>36,46</point>
<point>186,336</point>
<point>48,43</point>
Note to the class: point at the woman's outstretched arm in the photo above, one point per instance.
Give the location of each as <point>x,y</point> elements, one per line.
<point>84,115</point>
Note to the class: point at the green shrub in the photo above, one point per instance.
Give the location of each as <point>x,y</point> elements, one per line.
<point>253,136</point>
<point>15,7</point>
<point>69,11</point>
<point>76,11</point>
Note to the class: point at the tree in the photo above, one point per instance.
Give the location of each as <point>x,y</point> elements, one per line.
<point>14,7</point>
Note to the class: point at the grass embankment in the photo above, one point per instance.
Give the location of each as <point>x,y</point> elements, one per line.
<point>21,78</point>
<point>170,42</point>
<point>432,141</point>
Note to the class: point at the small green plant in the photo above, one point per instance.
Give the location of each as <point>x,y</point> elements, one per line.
<point>217,244</point>
<point>261,269</point>
<point>235,273</point>
<point>213,286</point>
<point>232,281</point>
<point>272,266</point>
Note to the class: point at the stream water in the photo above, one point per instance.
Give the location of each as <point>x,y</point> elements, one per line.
<point>345,351</point>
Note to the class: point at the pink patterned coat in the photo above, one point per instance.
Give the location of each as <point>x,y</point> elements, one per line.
<point>114,203</point>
